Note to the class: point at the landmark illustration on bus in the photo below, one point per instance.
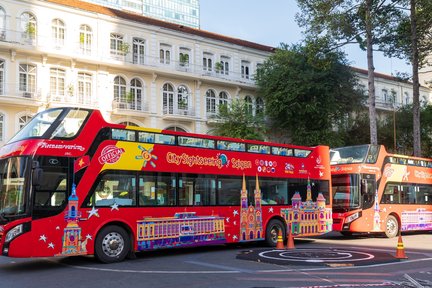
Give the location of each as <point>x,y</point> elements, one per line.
<point>377,192</point>
<point>73,184</point>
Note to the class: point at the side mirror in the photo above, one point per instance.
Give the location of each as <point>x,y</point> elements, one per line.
<point>36,173</point>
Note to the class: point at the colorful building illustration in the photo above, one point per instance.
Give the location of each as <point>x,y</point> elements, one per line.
<point>308,218</point>
<point>184,229</point>
<point>419,219</point>
<point>72,240</point>
<point>250,216</point>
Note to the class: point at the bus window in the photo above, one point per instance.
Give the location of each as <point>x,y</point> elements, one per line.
<point>205,191</point>
<point>301,153</point>
<point>229,190</point>
<point>115,188</point>
<point>282,151</point>
<point>391,194</point>
<point>165,139</point>
<point>273,191</point>
<point>50,193</point>
<point>186,191</point>
<point>125,135</point>
<point>368,187</point>
<point>157,190</point>
<point>146,137</point>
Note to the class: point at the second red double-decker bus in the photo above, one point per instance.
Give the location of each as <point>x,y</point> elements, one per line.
<point>378,192</point>
<point>73,184</point>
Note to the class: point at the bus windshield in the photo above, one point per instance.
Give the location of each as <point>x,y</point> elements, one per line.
<point>352,154</point>
<point>345,191</point>
<point>12,186</point>
<point>67,124</point>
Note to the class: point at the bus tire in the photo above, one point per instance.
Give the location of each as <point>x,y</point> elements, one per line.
<point>272,230</point>
<point>112,244</point>
<point>392,227</point>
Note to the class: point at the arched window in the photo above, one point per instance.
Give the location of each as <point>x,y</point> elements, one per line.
<point>84,88</point>
<point>129,123</point>
<point>210,102</point>
<point>58,32</point>
<point>182,97</point>
<point>259,105</point>
<point>223,99</point>
<point>2,126</point>
<point>85,39</point>
<point>175,128</point>
<point>136,97</point>
<point>27,80</point>
<point>120,89</point>
<point>22,121</point>
<point>168,98</point>
<point>28,26</point>
<point>117,45</point>
<point>165,54</point>
<point>138,50</point>
<point>249,105</point>
<point>57,82</point>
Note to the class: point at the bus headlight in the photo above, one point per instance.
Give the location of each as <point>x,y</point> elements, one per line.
<point>352,217</point>
<point>14,232</point>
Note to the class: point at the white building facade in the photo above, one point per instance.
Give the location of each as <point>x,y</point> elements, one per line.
<point>136,70</point>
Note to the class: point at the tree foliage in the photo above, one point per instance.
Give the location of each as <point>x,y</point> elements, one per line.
<point>362,22</point>
<point>412,40</point>
<point>306,91</point>
<point>237,121</point>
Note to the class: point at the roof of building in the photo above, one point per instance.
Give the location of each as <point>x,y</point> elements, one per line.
<point>90,7</point>
<point>380,75</point>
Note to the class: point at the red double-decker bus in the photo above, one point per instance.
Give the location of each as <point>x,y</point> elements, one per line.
<point>378,192</point>
<point>73,184</point>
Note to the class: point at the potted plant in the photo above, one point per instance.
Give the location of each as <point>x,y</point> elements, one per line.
<point>124,47</point>
<point>184,59</point>
<point>30,30</point>
<point>218,67</point>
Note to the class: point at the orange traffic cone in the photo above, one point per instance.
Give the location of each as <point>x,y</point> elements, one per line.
<point>290,243</point>
<point>400,251</point>
<point>279,244</point>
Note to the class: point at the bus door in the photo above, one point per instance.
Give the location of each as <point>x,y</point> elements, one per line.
<point>368,189</point>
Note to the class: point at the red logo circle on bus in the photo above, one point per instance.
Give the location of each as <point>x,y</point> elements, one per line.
<point>110,154</point>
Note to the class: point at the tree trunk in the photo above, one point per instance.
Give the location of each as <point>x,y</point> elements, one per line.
<point>371,75</point>
<point>416,85</point>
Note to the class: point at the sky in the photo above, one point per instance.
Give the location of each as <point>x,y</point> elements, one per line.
<point>271,22</point>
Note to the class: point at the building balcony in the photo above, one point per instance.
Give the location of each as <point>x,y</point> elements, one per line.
<point>176,113</point>
<point>136,108</point>
<point>56,100</point>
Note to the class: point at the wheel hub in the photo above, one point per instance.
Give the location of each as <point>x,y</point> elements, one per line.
<point>113,244</point>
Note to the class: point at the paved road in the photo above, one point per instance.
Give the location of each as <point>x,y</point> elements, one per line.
<point>218,266</point>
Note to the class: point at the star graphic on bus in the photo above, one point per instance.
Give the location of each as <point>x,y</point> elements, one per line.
<point>147,156</point>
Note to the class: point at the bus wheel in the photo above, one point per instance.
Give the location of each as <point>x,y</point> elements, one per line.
<point>112,244</point>
<point>392,227</point>
<point>272,231</point>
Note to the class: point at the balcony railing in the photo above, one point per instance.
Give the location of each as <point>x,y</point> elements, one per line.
<point>76,50</point>
<point>175,111</point>
<point>138,106</point>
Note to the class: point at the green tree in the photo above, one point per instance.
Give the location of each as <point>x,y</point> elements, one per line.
<point>306,92</point>
<point>412,41</point>
<point>237,121</point>
<point>361,22</point>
